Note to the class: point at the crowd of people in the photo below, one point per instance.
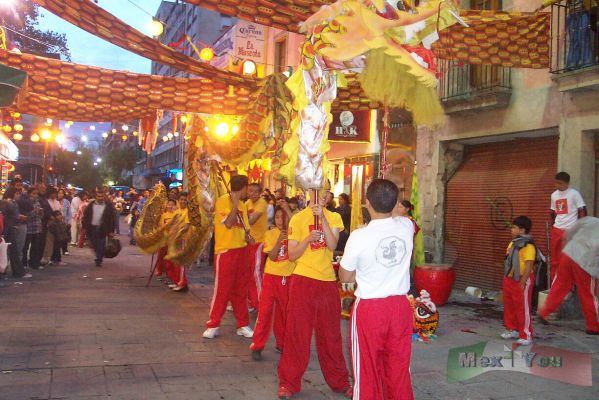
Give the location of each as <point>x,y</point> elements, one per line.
<point>42,222</point>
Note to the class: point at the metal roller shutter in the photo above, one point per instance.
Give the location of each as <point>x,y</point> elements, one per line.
<point>496,183</point>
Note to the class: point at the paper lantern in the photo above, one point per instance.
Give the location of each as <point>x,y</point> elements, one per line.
<point>206,54</point>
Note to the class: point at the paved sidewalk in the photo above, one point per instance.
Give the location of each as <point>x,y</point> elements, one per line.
<point>81,332</point>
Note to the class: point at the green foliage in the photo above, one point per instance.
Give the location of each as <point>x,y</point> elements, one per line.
<point>86,175</point>
<point>118,161</point>
<point>24,20</point>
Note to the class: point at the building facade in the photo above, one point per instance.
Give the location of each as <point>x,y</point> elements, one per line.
<point>507,133</point>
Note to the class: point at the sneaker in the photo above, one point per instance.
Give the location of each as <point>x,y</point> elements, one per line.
<point>524,342</point>
<point>211,333</point>
<point>173,285</point>
<point>542,320</point>
<point>251,309</point>
<point>245,331</point>
<point>182,289</point>
<point>510,335</point>
<point>591,332</point>
<point>284,393</point>
<point>27,276</point>
<point>66,253</point>
<point>257,355</point>
<point>229,308</point>
<point>41,268</point>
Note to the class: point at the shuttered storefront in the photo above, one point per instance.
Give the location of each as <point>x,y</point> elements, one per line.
<point>495,183</point>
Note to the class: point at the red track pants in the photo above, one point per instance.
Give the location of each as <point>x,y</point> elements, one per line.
<point>381,348</point>
<point>517,311</point>
<point>314,306</point>
<point>256,261</point>
<point>570,273</point>
<point>556,246</point>
<point>176,273</point>
<point>231,279</point>
<point>273,300</point>
<point>160,262</point>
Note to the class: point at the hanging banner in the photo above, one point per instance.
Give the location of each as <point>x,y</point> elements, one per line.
<point>244,41</point>
<point>350,126</point>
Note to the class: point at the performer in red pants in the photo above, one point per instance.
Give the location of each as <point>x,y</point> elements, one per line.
<point>275,288</point>
<point>314,304</point>
<point>378,258</point>
<point>231,278</point>
<point>161,265</point>
<point>567,206</point>
<point>258,219</point>
<point>578,261</point>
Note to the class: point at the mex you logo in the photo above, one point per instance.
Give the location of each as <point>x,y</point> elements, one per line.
<point>548,362</point>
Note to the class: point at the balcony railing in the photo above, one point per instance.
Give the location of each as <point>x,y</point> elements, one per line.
<point>574,36</point>
<point>462,80</point>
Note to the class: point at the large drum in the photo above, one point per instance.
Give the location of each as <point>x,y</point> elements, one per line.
<point>437,279</point>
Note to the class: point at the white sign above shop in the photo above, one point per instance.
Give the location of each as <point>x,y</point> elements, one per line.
<point>244,41</point>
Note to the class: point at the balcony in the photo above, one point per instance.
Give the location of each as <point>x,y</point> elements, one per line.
<point>575,45</point>
<point>465,88</point>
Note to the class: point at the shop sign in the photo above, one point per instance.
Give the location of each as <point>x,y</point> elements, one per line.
<point>244,41</point>
<point>348,126</point>
<point>8,150</point>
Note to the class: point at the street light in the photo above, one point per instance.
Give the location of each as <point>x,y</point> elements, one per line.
<point>105,135</point>
<point>84,138</point>
<point>98,160</point>
<point>78,152</point>
<point>46,134</point>
<point>75,163</point>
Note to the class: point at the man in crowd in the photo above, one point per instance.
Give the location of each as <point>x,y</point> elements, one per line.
<point>567,206</point>
<point>98,222</point>
<point>314,304</point>
<point>32,253</point>
<point>12,221</point>
<point>377,257</point>
<point>258,219</point>
<point>231,261</point>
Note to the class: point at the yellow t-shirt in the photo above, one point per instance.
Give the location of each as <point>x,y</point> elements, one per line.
<point>166,217</point>
<point>527,253</point>
<point>261,225</point>
<point>282,266</point>
<point>316,262</point>
<point>224,238</point>
<point>184,215</point>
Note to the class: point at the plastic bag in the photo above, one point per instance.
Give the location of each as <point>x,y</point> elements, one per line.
<point>3,256</point>
<point>113,248</point>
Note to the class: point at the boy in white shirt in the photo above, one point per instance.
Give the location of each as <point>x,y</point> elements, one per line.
<point>567,206</point>
<point>377,257</point>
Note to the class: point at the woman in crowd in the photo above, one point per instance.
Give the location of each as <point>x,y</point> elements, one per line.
<point>79,219</point>
<point>67,218</point>
<point>119,206</point>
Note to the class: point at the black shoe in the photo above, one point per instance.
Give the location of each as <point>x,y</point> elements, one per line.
<point>590,332</point>
<point>257,355</point>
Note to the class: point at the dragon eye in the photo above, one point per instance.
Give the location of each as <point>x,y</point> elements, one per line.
<point>422,312</point>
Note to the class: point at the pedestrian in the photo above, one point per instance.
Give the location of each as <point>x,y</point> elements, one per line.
<point>75,226</point>
<point>567,206</point>
<point>258,218</point>
<point>142,202</point>
<point>275,284</point>
<point>231,261</point>
<point>134,212</point>
<point>579,264</point>
<point>43,199</point>
<point>314,303</point>
<point>169,180</point>
<point>25,209</point>
<point>518,282</point>
<point>54,204</point>
<point>12,220</point>
<point>32,252</point>
<point>179,277</point>
<point>119,206</point>
<point>98,222</point>
<point>58,229</point>
<point>377,257</point>
<point>67,218</point>
<point>330,200</point>
<point>81,238</point>
<point>344,210</point>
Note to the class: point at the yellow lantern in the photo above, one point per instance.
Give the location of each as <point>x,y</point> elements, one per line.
<point>206,54</point>
<point>156,27</point>
<point>60,139</point>
<point>18,127</point>
<point>249,67</point>
<point>35,138</point>
<point>134,133</point>
<point>7,128</point>
<point>46,134</point>
<point>124,137</point>
<point>17,136</point>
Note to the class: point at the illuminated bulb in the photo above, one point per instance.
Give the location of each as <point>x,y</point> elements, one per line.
<point>105,135</point>
<point>113,130</point>
<point>169,135</point>
<point>18,127</point>
<point>235,129</point>
<point>46,134</point>
<point>49,121</point>
<point>84,138</point>
<point>78,152</point>
<point>74,169</point>
<point>165,138</point>
<point>249,67</point>
<point>222,129</point>
<point>69,122</point>
<point>7,128</point>
<point>92,127</point>
<point>183,118</point>
<point>17,136</point>
<point>16,115</point>
<point>60,139</point>
<point>206,54</point>
<point>98,159</point>
<point>125,128</point>
<point>134,133</point>
<point>95,164</point>
<point>156,27</point>
<point>35,138</point>
<point>75,163</point>
<point>176,134</point>
<point>124,137</point>
<point>205,129</point>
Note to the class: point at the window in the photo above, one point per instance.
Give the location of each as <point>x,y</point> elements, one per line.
<point>281,55</point>
<point>480,75</point>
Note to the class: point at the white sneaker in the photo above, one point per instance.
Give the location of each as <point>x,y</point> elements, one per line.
<point>229,308</point>
<point>173,285</point>
<point>66,253</point>
<point>524,342</point>
<point>210,333</point>
<point>510,335</point>
<point>27,276</point>
<point>245,331</point>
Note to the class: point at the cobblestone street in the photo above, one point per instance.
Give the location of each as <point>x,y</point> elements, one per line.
<point>81,332</point>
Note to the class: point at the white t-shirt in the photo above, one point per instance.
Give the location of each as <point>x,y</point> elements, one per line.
<point>380,254</point>
<point>97,211</point>
<point>566,204</point>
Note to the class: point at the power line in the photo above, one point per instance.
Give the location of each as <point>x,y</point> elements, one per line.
<point>28,37</point>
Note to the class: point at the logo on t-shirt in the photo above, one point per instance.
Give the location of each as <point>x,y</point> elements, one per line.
<point>282,255</point>
<point>561,206</point>
<point>321,243</point>
<point>391,251</point>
